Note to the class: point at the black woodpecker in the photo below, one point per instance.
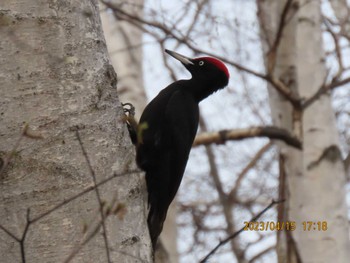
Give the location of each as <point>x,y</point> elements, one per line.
<point>166,132</point>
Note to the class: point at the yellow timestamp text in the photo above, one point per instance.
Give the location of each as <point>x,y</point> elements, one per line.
<point>269,225</point>
<point>315,225</point>
<point>287,226</point>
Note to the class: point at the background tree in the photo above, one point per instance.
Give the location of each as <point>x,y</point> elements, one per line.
<point>311,180</point>
<point>57,83</point>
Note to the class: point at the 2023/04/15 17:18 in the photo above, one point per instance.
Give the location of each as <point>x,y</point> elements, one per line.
<point>287,225</point>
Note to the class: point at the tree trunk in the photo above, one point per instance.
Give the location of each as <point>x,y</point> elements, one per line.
<point>56,77</point>
<point>312,180</point>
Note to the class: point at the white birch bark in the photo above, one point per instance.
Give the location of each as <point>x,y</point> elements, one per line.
<point>315,177</point>
<point>320,193</point>
<point>55,75</point>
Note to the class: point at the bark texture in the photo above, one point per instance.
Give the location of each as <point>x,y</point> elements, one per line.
<point>55,75</point>
<point>312,180</point>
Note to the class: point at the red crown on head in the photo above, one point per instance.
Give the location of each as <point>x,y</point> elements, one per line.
<point>218,63</point>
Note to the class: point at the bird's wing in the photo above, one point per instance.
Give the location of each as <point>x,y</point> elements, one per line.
<point>166,142</point>
<point>181,118</point>
<point>172,120</point>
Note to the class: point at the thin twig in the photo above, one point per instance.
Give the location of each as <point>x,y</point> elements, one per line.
<point>123,15</point>
<point>84,242</point>
<point>24,234</point>
<point>141,22</point>
<point>324,89</point>
<point>223,197</point>
<point>87,190</point>
<point>233,193</point>
<point>39,217</point>
<point>7,159</point>
<point>223,242</point>
<point>10,233</point>
<point>101,205</point>
<point>338,50</point>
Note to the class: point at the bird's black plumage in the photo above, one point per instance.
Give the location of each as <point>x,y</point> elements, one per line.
<point>166,132</point>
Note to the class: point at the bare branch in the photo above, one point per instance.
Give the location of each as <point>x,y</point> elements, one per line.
<point>234,235</point>
<point>233,193</point>
<point>224,201</point>
<point>239,134</point>
<point>338,50</point>
<point>284,90</point>
<point>276,83</point>
<point>172,32</point>
<point>324,89</point>
<point>139,22</point>
<point>272,54</point>
<point>9,233</point>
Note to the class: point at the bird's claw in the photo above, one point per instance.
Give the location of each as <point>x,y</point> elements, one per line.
<point>130,110</point>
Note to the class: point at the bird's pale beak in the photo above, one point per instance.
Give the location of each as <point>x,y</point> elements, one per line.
<point>184,60</point>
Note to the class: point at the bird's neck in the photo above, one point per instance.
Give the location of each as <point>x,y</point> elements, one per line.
<point>201,88</point>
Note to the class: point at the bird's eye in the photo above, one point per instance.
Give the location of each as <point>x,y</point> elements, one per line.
<point>201,63</point>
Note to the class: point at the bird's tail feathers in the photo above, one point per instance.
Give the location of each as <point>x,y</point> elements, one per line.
<point>155,220</point>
